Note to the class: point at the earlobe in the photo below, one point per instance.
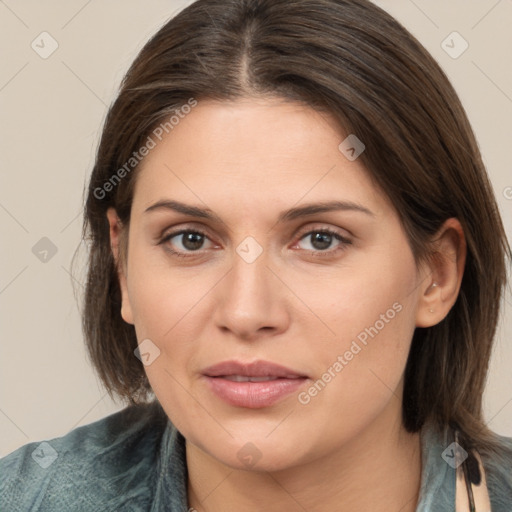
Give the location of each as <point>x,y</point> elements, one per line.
<point>115,237</point>
<point>441,289</point>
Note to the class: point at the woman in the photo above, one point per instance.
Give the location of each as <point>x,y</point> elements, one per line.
<point>296,266</point>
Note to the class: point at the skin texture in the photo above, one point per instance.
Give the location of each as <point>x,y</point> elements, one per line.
<point>248,161</point>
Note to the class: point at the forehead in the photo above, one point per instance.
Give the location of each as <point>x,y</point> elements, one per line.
<point>251,155</point>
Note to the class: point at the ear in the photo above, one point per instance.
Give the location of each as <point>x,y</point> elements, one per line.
<point>116,228</point>
<point>441,289</point>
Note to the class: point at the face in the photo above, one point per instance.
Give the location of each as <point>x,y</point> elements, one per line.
<point>253,279</point>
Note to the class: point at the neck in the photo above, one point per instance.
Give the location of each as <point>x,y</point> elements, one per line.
<point>380,469</point>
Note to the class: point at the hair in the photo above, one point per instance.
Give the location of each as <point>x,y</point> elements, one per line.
<point>353,60</point>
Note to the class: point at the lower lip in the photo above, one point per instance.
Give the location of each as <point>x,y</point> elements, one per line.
<point>253,395</point>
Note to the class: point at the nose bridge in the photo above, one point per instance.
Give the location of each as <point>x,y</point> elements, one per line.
<point>251,297</point>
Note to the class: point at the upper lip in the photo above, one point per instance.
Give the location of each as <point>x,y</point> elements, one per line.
<point>253,369</point>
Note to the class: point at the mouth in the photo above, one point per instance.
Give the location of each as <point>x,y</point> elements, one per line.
<point>244,378</point>
<point>252,385</point>
<point>256,369</point>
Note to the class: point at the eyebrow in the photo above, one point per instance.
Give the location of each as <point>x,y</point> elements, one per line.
<point>285,216</point>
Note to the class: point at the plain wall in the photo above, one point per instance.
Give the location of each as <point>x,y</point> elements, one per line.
<point>52,110</point>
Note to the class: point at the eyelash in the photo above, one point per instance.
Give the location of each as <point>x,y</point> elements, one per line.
<point>319,254</point>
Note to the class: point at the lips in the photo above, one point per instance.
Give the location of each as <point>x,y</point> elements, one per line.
<point>252,385</point>
<point>255,369</point>
<point>243,378</point>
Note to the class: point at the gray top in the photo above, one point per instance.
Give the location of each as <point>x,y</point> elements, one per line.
<point>134,460</point>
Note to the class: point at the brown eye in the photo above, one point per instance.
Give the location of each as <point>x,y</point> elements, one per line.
<point>321,240</point>
<point>187,241</point>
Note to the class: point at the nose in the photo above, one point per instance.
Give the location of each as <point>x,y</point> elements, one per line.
<point>251,301</point>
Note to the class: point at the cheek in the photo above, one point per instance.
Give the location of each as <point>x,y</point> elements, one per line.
<point>159,296</point>
<point>359,373</point>
<point>371,314</point>
<point>160,307</point>
<point>168,306</point>
<point>162,310</point>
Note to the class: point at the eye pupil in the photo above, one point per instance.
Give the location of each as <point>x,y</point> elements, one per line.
<point>192,241</point>
<point>324,239</point>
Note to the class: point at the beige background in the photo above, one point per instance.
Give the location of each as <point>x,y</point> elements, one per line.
<point>51,113</point>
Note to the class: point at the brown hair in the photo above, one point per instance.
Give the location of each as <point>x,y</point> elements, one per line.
<point>352,59</point>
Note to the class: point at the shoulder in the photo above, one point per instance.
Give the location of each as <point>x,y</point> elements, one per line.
<point>498,471</point>
<point>106,465</point>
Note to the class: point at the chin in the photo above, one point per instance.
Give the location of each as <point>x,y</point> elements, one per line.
<point>259,453</point>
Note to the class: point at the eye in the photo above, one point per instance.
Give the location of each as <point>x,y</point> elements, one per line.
<point>322,239</point>
<point>188,240</point>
